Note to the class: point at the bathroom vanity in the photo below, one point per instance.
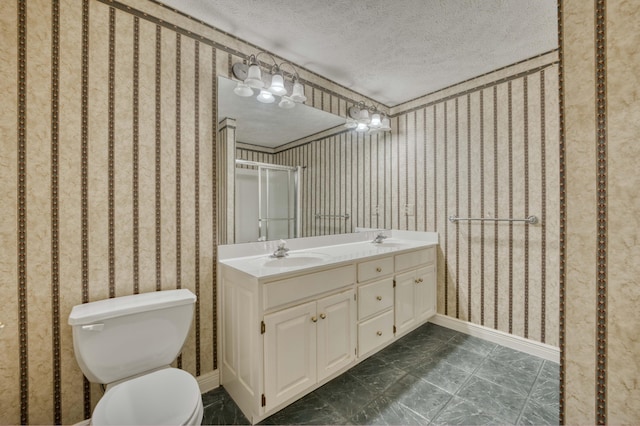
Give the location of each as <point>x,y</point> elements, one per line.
<point>290,324</point>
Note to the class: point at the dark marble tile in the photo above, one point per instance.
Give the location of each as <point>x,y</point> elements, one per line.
<point>385,411</point>
<point>517,360</point>
<point>310,410</point>
<point>421,342</point>
<point>428,337</point>
<point>537,414</point>
<point>516,379</point>
<point>493,399</point>
<point>457,356</point>
<point>442,374</point>
<point>472,344</point>
<point>550,370</point>
<point>439,332</point>
<point>213,396</point>
<point>419,396</point>
<point>546,390</point>
<point>376,374</point>
<point>403,358</point>
<point>461,412</point>
<point>221,410</point>
<point>346,394</point>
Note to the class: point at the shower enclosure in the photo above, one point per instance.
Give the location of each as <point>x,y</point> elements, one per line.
<point>267,201</point>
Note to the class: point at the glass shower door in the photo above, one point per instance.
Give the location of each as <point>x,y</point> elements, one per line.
<point>277,203</point>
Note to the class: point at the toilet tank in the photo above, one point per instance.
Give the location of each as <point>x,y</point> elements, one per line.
<point>120,337</point>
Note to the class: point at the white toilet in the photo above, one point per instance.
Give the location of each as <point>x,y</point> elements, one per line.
<point>128,344</point>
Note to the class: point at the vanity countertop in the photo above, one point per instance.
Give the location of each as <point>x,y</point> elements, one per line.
<point>314,253</point>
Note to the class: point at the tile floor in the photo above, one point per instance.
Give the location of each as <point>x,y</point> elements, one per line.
<point>433,375</point>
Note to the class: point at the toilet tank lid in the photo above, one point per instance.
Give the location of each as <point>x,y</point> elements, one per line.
<point>126,305</point>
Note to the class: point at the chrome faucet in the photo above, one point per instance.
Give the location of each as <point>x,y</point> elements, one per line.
<point>281,251</point>
<point>380,238</point>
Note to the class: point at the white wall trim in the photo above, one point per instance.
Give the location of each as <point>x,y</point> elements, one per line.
<point>542,350</point>
<point>209,381</point>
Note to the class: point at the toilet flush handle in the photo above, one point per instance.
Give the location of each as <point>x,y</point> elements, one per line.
<point>93,327</point>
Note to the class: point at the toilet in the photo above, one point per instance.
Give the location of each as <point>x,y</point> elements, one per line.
<point>128,343</point>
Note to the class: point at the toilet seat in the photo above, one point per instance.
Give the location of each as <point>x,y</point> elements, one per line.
<point>169,396</point>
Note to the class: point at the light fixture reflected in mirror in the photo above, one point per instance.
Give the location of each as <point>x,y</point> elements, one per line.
<point>250,77</point>
<point>365,118</point>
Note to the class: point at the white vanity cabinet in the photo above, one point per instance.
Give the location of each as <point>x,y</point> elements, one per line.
<point>285,334</point>
<point>281,336</point>
<point>375,304</point>
<point>307,343</point>
<point>415,291</point>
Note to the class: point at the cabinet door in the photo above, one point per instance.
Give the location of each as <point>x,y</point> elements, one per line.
<point>336,332</point>
<point>425,296</point>
<point>289,352</point>
<point>405,315</point>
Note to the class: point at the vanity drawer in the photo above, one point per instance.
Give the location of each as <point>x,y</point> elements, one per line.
<point>375,268</point>
<point>375,332</point>
<point>282,292</point>
<point>375,297</point>
<point>415,258</point>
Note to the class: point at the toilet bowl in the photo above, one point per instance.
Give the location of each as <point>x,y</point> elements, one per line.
<point>128,344</point>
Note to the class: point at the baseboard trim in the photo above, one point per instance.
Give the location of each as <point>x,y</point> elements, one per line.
<point>518,343</point>
<point>209,381</point>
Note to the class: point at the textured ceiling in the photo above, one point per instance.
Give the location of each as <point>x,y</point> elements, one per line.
<point>392,50</point>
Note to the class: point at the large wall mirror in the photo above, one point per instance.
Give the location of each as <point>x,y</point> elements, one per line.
<point>266,196</point>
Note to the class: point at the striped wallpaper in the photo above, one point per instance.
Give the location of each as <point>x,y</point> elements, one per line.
<point>600,292</point>
<point>487,150</point>
<point>111,186</point>
<point>110,181</point>
<point>114,193</point>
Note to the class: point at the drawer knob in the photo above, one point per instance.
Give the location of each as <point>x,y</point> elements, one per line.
<point>379,298</point>
<point>314,319</point>
<point>378,269</point>
<point>323,316</point>
<point>379,333</point>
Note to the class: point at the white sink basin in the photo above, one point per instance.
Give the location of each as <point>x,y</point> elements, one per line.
<point>296,260</point>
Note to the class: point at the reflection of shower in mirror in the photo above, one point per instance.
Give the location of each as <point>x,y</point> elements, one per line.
<point>267,205</point>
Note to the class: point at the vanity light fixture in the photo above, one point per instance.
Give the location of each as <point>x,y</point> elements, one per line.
<point>365,118</point>
<point>249,74</point>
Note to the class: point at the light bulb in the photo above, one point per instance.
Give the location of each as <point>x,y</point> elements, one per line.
<point>384,126</point>
<point>350,124</point>
<point>375,120</point>
<point>363,117</point>
<point>362,127</point>
<point>243,90</point>
<point>254,77</point>
<point>265,97</point>
<point>277,85</point>
<point>297,94</point>
<point>286,103</point>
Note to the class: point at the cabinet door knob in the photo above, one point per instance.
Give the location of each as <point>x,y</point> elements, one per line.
<point>314,319</point>
<point>379,333</point>
<point>379,298</point>
<point>419,280</point>
<point>323,316</point>
<point>416,281</point>
<point>378,269</point>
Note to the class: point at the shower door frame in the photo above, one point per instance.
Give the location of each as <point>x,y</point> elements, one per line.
<point>296,191</point>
